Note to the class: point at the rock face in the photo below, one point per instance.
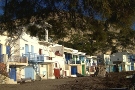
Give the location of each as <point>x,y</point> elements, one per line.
<point>102,71</point>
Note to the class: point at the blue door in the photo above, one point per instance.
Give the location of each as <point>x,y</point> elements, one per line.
<point>132,65</point>
<point>73,70</point>
<point>1,58</point>
<point>29,72</point>
<point>114,68</point>
<point>26,48</point>
<point>12,73</point>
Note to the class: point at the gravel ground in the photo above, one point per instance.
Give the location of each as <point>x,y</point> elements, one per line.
<point>51,84</point>
<point>79,83</point>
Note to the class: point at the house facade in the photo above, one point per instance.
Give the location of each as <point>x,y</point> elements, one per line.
<point>91,63</point>
<point>13,62</point>
<point>75,62</point>
<point>39,57</point>
<point>123,60</point>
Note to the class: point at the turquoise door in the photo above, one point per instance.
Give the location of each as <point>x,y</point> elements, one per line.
<point>29,72</point>
<point>114,68</point>
<point>120,68</point>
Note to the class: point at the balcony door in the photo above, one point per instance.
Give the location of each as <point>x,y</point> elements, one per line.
<point>40,51</point>
<point>8,50</point>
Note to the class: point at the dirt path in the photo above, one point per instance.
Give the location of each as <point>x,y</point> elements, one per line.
<point>38,85</point>
<point>79,83</point>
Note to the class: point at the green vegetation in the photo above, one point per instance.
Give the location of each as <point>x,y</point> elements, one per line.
<point>86,23</point>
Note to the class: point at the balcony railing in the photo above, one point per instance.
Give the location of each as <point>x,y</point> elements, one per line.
<point>18,59</point>
<point>34,57</point>
<point>78,62</point>
<point>73,62</point>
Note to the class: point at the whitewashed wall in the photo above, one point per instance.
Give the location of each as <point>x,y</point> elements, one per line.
<point>43,71</point>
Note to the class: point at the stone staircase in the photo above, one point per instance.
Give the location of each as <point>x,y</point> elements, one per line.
<point>4,77</point>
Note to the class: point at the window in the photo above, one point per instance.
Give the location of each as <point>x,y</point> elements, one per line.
<point>50,58</point>
<point>32,49</point>
<point>55,64</point>
<point>128,67</point>
<point>40,51</point>
<point>26,48</point>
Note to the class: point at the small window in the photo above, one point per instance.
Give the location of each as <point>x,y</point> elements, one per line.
<point>55,64</point>
<point>50,58</point>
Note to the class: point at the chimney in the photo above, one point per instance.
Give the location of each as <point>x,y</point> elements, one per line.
<point>46,35</point>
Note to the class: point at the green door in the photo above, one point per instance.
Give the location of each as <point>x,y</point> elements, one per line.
<point>83,69</point>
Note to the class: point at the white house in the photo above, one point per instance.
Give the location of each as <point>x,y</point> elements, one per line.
<point>75,62</point>
<point>31,58</point>
<point>13,62</point>
<point>122,59</point>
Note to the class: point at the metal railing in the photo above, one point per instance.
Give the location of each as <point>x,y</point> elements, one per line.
<point>74,61</point>
<point>17,58</point>
<point>32,57</point>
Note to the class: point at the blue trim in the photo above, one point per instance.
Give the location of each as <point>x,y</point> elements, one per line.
<point>73,70</point>
<point>12,73</point>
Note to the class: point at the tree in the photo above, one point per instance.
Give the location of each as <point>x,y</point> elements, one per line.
<point>85,15</point>
<point>11,43</point>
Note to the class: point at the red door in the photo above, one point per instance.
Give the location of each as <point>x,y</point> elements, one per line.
<point>57,73</point>
<point>40,51</point>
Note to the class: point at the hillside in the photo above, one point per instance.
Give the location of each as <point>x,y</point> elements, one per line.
<point>88,35</point>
